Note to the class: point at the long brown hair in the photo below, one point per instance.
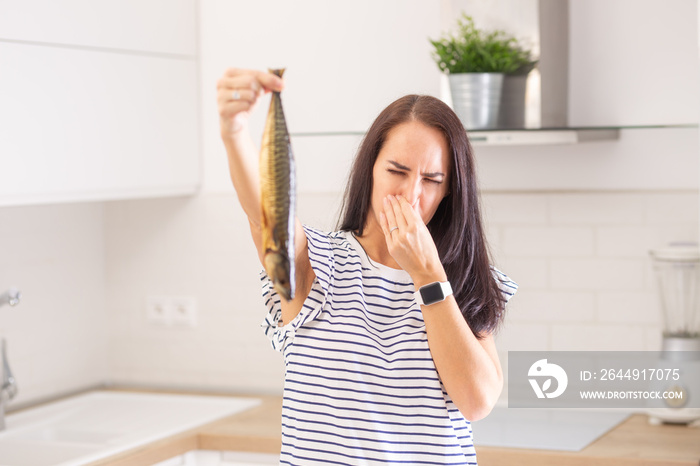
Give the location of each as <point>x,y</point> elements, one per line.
<point>466,261</point>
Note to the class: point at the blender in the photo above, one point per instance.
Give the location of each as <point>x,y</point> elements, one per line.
<point>677,270</point>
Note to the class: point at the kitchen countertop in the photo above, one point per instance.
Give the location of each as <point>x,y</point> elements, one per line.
<point>632,442</point>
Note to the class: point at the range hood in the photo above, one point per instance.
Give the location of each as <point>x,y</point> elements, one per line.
<point>543,117</point>
<point>541,136</point>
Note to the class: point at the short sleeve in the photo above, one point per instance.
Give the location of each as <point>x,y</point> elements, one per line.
<point>507,286</point>
<point>322,262</point>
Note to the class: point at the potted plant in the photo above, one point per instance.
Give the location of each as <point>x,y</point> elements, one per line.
<point>477,62</point>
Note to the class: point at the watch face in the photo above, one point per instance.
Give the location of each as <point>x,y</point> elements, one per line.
<point>432,293</point>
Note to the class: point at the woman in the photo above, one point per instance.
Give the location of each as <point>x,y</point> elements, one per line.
<point>384,363</point>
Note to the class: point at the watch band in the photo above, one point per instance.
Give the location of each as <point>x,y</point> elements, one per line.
<point>433,293</point>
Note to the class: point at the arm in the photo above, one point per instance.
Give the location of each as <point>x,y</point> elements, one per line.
<point>243,168</point>
<point>469,368</point>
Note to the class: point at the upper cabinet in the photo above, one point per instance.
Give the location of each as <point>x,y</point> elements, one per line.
<point>155,26</point>
<point>633,62</point>
<point>99,100</point>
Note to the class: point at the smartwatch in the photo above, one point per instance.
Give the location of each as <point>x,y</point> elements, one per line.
<point>433,293</point>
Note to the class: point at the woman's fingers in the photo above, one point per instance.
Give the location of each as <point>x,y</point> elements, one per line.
<point>247,82</point>
<point>233,95</point>
<point>397,212</point>
<point>390,216</point>
<point>384,225</point>
<point>410,213</point>
<point>238,92</point>
<point>270,81</point>
<point>258,79</point>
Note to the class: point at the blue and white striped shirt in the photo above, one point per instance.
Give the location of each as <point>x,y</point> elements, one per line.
<point>361,387</point>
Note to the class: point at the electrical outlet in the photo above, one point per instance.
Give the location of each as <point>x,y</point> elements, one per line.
<point>184,311</point>
<point>168,311</point>
<point>158,310</point>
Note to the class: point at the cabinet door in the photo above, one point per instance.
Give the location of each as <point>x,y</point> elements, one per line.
<point>79,125</point>
<point>345,61</point>
<point>157,26</point>
<point>633,62</point>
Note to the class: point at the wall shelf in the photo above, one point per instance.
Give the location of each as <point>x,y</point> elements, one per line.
<point>529,136</point>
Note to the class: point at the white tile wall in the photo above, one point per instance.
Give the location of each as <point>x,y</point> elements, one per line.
<point>57,335</point>
<point>198,247</point>
<point>581,260</point>
<point>583,266</point>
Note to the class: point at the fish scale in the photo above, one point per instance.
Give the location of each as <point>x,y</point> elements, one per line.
<point>278,199</point>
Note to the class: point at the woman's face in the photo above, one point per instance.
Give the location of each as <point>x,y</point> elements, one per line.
<point>414,162</point>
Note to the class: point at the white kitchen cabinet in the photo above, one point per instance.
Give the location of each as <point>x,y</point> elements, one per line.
<point>154,26</point>
<point>81,124</point>
<point>98,100</point>
<point>633,62</point>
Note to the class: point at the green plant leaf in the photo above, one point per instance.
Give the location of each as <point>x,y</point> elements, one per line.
<point>472,50</point>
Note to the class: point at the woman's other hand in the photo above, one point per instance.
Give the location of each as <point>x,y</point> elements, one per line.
<point>238,91</point>
<point>409,241</point>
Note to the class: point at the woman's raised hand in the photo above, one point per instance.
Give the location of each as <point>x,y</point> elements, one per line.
<point>409,241</point>
<point>238,91</point>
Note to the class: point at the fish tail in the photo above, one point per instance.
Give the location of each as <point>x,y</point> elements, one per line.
<point>276,71</point>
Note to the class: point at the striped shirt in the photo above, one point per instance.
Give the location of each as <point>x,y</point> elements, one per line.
<point>361,387</point>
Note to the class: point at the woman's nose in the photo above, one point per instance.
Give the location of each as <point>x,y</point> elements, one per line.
<point>412,192</point>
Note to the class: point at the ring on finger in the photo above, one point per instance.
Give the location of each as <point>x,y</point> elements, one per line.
<point>235,95</point>
<point>392,230</point>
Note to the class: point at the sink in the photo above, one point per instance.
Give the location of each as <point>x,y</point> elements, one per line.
<point>96,425</point>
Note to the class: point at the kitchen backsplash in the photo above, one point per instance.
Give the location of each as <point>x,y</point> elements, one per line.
<point>86,270</point>
<point>581,260</point>
<point>57,336</point>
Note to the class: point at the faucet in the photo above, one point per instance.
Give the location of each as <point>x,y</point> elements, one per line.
<point>9,386</point>
<point>10,297</point>
<point>8,389</point>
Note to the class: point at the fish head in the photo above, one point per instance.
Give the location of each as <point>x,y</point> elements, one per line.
<point>277,268</point>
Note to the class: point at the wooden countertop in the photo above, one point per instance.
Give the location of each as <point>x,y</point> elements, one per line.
<point>632,442</point>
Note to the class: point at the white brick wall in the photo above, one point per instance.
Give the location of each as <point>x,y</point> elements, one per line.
<point>581,260</point>
<point>198,247</point>
<point>582,263</point>
<point>57,335</point>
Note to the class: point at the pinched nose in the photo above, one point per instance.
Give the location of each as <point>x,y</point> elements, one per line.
<point>412,196</point>
<point>412,190</point>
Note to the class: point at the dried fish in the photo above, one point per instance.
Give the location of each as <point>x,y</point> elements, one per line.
<point>278,199</point>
